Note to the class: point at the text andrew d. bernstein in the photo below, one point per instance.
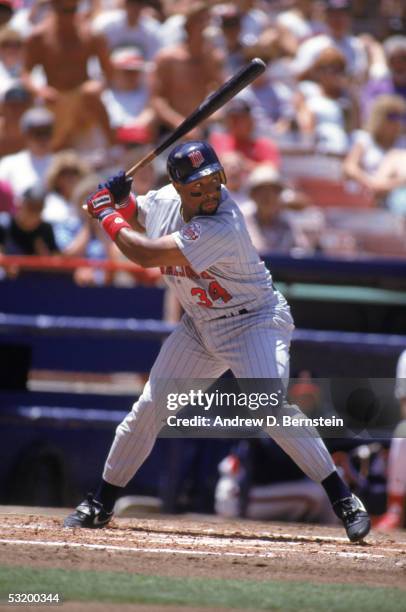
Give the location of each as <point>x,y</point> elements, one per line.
<point>269,421</point>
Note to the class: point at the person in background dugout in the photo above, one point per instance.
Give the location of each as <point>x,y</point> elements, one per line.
<point>394,517</point>
<point>234,319</point>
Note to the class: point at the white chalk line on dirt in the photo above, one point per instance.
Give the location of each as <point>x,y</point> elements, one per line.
<point>269,536</point>
<point>165,550</point>
<point>131,548</point>
<point>285,537</point>
<point>226,541</point>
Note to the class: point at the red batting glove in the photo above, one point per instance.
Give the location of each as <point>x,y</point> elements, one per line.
<point>99,202</point>
<point>128,208</point>
<point>100,206</point>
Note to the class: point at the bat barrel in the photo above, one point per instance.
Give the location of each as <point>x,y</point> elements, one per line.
<point>210,105</point>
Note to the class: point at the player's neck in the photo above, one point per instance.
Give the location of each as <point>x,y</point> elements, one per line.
<point>184,215</point>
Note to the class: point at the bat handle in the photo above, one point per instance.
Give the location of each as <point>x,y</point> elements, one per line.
<point>141,163</point>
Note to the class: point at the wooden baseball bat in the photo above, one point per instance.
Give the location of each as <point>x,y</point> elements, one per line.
<point>211,104</point>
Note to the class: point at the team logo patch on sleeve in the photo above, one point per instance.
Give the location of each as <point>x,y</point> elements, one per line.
<point>191,231</point>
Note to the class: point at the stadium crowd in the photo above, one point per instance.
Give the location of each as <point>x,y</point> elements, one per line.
<point>313,149</point>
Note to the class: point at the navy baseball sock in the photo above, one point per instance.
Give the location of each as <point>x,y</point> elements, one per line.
<point>107,495</point>
<point>335,487</point>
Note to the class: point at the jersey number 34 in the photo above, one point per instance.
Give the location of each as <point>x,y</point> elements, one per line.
<point>214,292</point>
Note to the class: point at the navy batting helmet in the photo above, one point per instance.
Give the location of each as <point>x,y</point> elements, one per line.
<point>191,160</point>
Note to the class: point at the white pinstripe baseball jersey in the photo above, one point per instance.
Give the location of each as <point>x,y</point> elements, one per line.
<point>225,272</point>
<point>225,276</point>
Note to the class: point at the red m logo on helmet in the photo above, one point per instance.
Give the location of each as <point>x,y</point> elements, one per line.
<point>196,158</point>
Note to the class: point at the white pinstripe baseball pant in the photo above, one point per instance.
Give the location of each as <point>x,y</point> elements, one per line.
<point>254,345</point>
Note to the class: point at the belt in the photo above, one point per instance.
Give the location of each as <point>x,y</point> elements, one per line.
<point>234,314</point>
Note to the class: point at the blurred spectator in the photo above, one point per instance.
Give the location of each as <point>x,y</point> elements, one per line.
<point>29,15</point>
<point>270,226</point>
<point>391,180</point>
<point>392,17</point>
<point>275,100</point>
<point>240,135</point>
<point>25,232</point>
<point>230,30</point>
<point>29,166</point>
<point>11,57</point>
<point>127,101</point>
<point>128,26</point>
<point>236,170</point>
<point>185,74</point>
<point>326,109</point>
<point>302,20</point>
<point>395,81</point>
<point>14,102</point>
<point>81,237</point>
<point>64,173</point>
<point>6,11</point>
<point>72,96</point>
<point>394,518</point>
<point>256,18</point>
<point>237,30</point>
<point>365,162</point>
<point>339,35</point>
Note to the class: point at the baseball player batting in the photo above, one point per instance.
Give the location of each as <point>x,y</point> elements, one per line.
<point>234,318</point>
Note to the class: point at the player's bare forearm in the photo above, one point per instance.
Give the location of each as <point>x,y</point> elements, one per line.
<point>148,252</point>
<point>135,224</point>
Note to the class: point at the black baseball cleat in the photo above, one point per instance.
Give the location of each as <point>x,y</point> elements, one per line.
<point>354,516</point>
<point>89,514</point>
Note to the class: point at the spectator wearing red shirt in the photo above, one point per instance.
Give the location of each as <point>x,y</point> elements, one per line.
<point>240,136</point>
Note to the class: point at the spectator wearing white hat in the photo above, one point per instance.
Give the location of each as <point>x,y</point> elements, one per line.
<point>127,101</point>
<point>302,20</point>
<point>270,225</point>
<point>339,34</point>
<point>28,167</point>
